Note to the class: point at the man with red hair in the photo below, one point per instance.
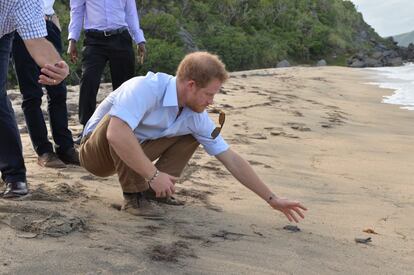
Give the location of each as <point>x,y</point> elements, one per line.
<point>162,117</point>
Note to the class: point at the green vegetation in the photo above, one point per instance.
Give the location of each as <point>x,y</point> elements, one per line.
<point>247,34</point>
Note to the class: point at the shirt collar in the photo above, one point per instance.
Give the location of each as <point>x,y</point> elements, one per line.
<point>170,97</point>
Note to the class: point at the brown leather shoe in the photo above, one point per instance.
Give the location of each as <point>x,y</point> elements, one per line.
<point>135,204</point>
<point>50,160</point>
<point>15,189</point>
<point>71,156</point>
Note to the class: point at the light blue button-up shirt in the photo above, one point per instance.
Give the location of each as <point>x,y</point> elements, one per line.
<point>104,15</point>
<point>149,105</point>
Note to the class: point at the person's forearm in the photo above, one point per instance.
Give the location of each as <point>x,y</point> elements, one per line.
<point>244,173</point>
<point>127,147</point>
<point>42,51</point>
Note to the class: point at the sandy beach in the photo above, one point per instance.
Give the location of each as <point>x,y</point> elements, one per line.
<point>318,135</point>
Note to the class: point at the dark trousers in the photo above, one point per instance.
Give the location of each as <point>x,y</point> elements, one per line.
<point>11,157</point>
<point>98,50</point>
<point>28,75</point>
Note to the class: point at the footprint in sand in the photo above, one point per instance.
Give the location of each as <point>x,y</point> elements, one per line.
<point>32,221</point>
<point>275,100</point>
<point>224,91</point>
<point>313,102</point>
<point>256,230</point>
<point>60,193</point>
<point>253,92</point>
<point>226,106</point>
<point>298,126</point>
<point>257,136</point>
<point>297,113</point>
<point>227,235</point>
<point>200,195</point>
<point>171,253</point>
<point>191,236</point>
<point>92,178</point>
<point>319,79</point>
<point>253,162</point>
<point>240,139</point>
<point>235,199</point>
<point>335,118</point>
<point>257,105</point>
<point>283,134</point>
<point>150,230</point>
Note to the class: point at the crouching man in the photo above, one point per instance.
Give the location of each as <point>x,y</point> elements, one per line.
<point>162,117</point>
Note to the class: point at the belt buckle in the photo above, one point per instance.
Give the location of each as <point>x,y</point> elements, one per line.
<point>48,17</point>
<point>107,33</point>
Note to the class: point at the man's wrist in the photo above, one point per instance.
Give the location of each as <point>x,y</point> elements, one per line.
<point>71,40</point>
<point>271,198</point>
<point>153,177</point>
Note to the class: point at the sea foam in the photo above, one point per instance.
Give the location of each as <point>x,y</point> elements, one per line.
<point>400,79</point>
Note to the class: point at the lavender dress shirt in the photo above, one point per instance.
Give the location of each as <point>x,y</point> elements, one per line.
<point>104,15</point>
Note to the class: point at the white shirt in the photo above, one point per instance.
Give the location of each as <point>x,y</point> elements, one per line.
<point>149,105</point>
<point>48,6</point>
<point>104,15</point>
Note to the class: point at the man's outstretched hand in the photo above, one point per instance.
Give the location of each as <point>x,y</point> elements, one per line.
<point>291,209</point>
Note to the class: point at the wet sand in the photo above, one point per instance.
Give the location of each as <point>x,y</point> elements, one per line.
<point>318,135</point>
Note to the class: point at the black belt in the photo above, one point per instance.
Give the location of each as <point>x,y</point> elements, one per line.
<point>108,32</point>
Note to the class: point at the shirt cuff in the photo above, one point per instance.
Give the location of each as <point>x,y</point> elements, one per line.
<point>73,36</point>
<point>139,37</point>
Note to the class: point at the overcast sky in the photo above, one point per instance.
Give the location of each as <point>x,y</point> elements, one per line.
<point>388,17</point>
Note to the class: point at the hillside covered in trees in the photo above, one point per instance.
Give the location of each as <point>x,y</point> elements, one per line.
<point>247,34</point>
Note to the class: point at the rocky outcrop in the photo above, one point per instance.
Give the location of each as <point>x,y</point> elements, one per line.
<point>383,56</point>
<point>283,64</point>
<point>187,40</point>
<point>321,63</point>
<point>380,56</point>
<point>407,53</point>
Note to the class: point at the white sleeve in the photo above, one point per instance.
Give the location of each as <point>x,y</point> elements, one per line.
<point>133,100</point>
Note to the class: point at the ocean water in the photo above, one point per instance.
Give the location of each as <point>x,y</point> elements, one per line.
<point>400,79</point>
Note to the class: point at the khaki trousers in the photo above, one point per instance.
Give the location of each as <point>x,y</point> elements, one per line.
<point>100,159</point>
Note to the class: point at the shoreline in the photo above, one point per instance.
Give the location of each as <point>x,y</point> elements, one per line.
<point>317,134</point>
<point>398,79</point>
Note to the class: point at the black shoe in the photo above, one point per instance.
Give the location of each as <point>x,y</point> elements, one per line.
<point>71,156</point>
<point>15,189</point>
